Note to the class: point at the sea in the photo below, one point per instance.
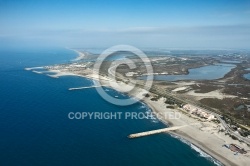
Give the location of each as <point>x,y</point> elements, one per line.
<point>36,130</point>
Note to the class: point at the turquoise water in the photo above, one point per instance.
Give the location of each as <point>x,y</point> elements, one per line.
<point>35,128</point>
<point>210,72</point>
<point>247,76</point>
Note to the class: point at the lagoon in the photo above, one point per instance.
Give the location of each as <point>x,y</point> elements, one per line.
<point>247,76</point>
<point>210,72</point>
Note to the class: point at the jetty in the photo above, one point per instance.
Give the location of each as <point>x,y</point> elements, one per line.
<point>32,68</point>
<point>86,87</point>
<point>146,133</point>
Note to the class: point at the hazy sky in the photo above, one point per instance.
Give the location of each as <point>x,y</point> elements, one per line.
<point>141,23</point>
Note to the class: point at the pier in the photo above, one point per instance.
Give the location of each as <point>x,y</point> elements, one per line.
<point>146,133</point>
<point>86,87</point>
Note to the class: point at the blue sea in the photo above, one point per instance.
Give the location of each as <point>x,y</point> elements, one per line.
<point>35,128</point>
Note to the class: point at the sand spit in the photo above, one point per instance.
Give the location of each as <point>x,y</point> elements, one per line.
<point>80,56</point>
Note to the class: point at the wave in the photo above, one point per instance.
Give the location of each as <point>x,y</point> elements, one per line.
<point>149,113</point>
<point>142,106</point>
<point>201,152</point>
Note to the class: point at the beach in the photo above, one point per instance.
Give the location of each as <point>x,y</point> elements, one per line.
<point>80,56</point>
<point>206,135</point>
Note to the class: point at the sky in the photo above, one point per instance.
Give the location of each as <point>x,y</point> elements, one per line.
<point>189,24</point>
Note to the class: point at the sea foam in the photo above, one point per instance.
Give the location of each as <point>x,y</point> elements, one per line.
<point>201,152</point>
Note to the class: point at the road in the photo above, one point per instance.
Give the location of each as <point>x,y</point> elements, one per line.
<point>163,92</point>
<point>224,124</point>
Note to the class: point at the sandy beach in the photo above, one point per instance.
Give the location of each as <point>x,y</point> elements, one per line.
<point>206,135</point>
<point>80,56</point>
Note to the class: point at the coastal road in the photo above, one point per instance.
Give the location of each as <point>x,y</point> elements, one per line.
<point>163,92</point>
<point>224,124</point>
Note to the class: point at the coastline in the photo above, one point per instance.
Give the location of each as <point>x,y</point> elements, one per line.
<point>80,56</point>
<point>205,136</point>
<point>205,149</point>
<point>195,136</point>
<point>208,141</point>
<point>191,140</point>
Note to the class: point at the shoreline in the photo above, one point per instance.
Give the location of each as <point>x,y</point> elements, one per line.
<point>202,144</point>
<point>190,139</point>
<point>195,137</point>
<point>223,156</point>
<point>206,136</point>
<point>80,56</point>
